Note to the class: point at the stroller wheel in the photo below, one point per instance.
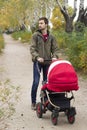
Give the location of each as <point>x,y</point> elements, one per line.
<point>54,119</point>
<point>71,115</point>
<point>39,110</point>
<point>71,119</point>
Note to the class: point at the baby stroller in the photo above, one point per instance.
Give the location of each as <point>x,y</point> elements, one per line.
<point>57,92</point>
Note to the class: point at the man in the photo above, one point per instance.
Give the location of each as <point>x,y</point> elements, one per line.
<point>43,47</point>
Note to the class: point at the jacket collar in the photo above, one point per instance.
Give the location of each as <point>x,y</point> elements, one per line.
<point>41,32</point>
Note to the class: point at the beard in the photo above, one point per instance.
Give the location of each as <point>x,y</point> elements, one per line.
<point>41,29</point>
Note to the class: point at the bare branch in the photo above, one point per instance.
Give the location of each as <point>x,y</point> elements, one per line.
<point>60,6</point>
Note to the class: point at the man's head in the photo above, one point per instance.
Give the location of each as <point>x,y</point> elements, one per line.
<point>43,23</point>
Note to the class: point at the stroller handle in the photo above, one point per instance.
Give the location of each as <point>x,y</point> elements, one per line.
<point>37,64</point>
<point>48,60</point>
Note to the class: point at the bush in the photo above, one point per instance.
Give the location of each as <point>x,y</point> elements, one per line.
<point>24,36</point>
<point>77,52</point>
<point>1,42</point>
<point>75,47</point>
<point>61,37</point>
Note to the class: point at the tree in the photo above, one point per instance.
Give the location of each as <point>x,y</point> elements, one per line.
<point>16,13</point>
<point>41,8</point>
<point>21,13</point>
<point>82,17</point>
<point>68,18</point>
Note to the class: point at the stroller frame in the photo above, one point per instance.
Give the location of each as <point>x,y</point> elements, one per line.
<point>62,104</point>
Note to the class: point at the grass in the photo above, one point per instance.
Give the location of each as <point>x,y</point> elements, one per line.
<point>1,42</point>
<point>9,95</point>
<point>24,36</point>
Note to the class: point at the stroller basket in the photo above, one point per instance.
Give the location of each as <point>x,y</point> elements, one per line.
<point>59,100</point>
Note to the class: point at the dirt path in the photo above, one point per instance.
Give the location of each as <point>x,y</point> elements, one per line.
<point>17,65</point>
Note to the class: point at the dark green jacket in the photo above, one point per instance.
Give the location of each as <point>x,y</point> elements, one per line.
<point>39,48</point>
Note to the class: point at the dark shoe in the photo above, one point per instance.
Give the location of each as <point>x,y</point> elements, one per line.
<point>33,106</point>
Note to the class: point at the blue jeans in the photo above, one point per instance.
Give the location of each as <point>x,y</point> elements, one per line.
<point>37,68</point>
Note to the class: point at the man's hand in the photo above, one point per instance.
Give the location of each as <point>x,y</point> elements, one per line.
<point>53,59</point>
<point>41,60</point>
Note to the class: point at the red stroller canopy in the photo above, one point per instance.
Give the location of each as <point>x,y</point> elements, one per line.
<point>61,77</point>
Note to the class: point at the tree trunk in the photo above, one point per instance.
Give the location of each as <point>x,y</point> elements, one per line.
<point>82,17</point>
<point>68,19</point>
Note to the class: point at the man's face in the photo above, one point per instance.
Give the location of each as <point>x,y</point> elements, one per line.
<point>42,25</point>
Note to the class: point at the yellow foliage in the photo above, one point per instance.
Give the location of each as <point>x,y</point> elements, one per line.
<point>57,18</point>
<point>9,14</point>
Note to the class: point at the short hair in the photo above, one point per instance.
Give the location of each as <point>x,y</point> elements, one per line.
<point>45,19</point>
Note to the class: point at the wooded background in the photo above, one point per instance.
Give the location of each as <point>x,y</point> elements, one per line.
<point>16,14</point>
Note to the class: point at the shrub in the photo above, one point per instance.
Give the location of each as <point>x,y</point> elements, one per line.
<point>1,42</point>
<point>77,52</point>
<point>61,37</point>
<point>75,48</point>
<point>23,35</point>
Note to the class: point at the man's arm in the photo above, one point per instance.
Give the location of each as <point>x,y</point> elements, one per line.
<point>33,48</point>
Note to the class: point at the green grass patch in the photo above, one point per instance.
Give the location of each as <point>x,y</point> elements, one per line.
<point>1,42</point>
<point>23,36</point>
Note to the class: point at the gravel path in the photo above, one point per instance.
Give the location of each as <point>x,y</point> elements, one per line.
<point>17,66</point>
